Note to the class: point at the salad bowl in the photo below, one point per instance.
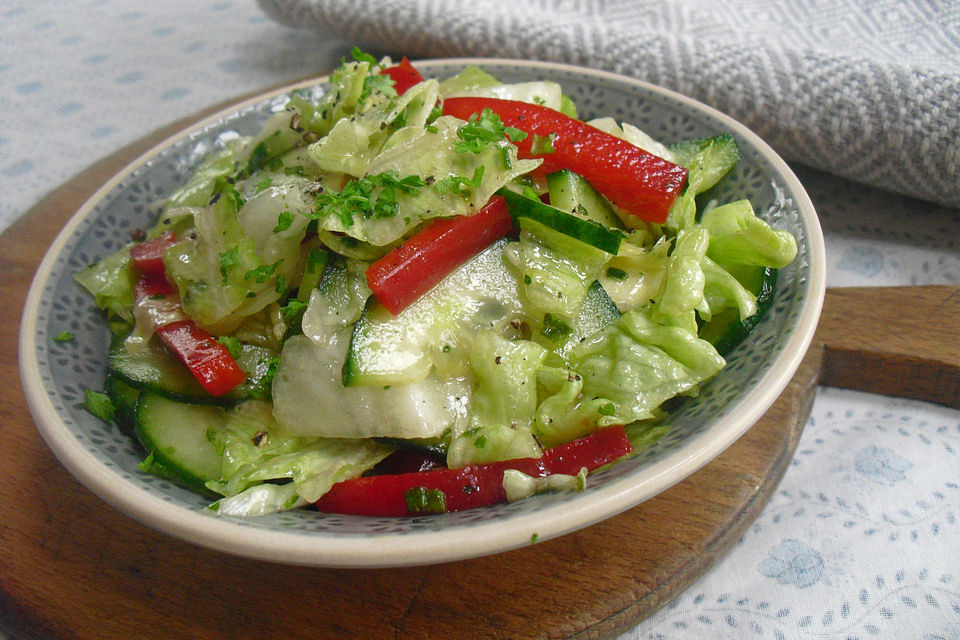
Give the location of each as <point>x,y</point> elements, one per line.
<point>56,373</point>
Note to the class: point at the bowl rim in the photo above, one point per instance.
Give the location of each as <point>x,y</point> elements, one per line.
<point>429,547</point>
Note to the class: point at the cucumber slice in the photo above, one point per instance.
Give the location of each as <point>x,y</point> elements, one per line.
<point>156,370</point>
<point>176,435</point>
<point>725,330</point>
<point>596,312</point>
<point>310,400</point>
<point>556,270</point>
<point>386,349</point>
<point>571,192</point>
<point>707,159</point>
<point>586,231</point>
<point>124,399</point>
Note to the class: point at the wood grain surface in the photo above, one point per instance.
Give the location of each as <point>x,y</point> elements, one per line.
<point>73,567</point>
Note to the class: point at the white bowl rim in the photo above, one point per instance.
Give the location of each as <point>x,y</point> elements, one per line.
<point>429,547</point>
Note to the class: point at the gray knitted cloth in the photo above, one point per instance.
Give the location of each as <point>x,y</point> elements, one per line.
<point>865,89</point>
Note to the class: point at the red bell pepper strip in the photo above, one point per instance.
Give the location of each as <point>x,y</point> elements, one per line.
<point>208,360</point>
<point>148,256</point>
<point>472,486</point>
<point>642,184</point>
<point>406,273</point>
<point>404,76</point>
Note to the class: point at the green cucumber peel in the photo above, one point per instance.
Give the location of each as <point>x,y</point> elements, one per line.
<point>586,231</point>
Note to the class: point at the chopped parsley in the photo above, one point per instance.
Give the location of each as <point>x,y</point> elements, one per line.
<point>460,185</point>
<point>266,183</point>
<point>423,500</point>
<point>607,409</point>
<point>378,83</point>
<point>284,220</point>
<point>258,158</point>
<point>291,310</point>
<point>63,336</point>
<point>263,272</point>
<point>316,259</point>
<point>99,405</point>
<point>362,56</point>
<point>272,366</point>
<point>228,259</point>
<point>233,345</point>
<point>435,113</point>
<point>483,129</point>
<point>369,197</point>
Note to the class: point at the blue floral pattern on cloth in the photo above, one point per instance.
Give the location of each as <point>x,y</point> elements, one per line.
<point>882,465</point>
<point>792,562</point>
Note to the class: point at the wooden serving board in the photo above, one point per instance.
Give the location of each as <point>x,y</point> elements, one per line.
<point>73,567</point>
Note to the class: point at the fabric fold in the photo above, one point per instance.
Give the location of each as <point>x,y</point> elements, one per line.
<point>869,91</point>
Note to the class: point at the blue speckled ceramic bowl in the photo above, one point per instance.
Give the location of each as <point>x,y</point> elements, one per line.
<point>55,374</point>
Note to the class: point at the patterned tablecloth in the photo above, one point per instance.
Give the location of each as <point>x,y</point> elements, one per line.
<point>861,538</point>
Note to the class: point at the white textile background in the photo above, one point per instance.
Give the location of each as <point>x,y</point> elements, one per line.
<point>861,538</point>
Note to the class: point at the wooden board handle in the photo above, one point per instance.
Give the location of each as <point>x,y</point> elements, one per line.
<point>897,341</point>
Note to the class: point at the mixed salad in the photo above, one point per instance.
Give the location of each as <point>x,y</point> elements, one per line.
<point>414,296</point>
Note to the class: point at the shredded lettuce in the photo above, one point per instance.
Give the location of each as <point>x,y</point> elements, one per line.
<point>635,275</point>
<point>721,290</point>
<point>337,302</point>
<point>504,402</point>
<point>254,450</point>
<point>738,236</point>
<point>200,187</point>
<point>309,398</point>
<point>638,364</point>
<point>684,281</point>
<point>565,413</point>
<point>547,94</point>
<point>556,269</point>
<point>354,142</point>
<point>211,267</point>
<point>518,485</point>
<point>433,156</point>
<point>260,500</point>
<point>111,281</point>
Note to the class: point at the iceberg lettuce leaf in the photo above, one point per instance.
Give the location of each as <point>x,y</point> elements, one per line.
<point>504,402</point>
<point>111,281</point>
<point>556,270</point>
<point>684,281</point>
<point>353,143</point>
<point>637,364</point>
<point>454,182</point>
<point>738,236</point>
<point>255,450</point>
